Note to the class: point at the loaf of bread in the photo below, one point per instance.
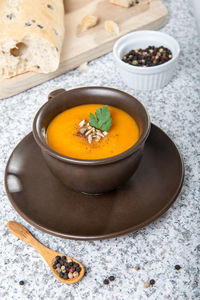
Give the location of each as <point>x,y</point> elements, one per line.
<point>31,36</point>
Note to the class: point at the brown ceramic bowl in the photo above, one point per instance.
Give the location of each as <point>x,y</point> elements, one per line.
<point>91,176</point>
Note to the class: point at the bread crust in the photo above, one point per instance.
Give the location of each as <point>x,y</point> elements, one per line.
<point>39,20</point>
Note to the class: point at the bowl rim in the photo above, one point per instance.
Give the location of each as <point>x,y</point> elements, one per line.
<point>150,69</point>
<point>90,162</point>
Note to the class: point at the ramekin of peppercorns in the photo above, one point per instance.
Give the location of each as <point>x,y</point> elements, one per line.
<point>146,59</point>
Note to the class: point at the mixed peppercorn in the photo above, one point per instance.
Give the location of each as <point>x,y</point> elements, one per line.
<point>66,268</point>
<point>151,56</point>
<point>110,278</point>
<point>177,267</point>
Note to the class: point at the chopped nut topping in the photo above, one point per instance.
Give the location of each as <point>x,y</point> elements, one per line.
<point>91,133</point>
<point>82,123</point>
<point>88,132</point>
<point>90,139</point>
<point>98,138</point>
<point>83,130</point>
<point>99,133</point>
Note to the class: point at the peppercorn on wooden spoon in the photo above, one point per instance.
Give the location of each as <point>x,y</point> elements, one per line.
<point>48,254</point>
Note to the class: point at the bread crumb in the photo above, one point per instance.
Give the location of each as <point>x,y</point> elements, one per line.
<point>146,284</point>
<point>83,67</point>
<point>88,22</point>
<point>122,3</point>
<point>111,27</point>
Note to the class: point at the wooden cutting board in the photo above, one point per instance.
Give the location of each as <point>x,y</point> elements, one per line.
<point>83,47</point>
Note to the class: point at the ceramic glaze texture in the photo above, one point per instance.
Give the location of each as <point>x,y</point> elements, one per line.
<point>173,239</point>
<point>140,201</point>
<point>100,175</point>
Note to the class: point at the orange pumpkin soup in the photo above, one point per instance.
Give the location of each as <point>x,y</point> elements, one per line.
<point>63,133</point>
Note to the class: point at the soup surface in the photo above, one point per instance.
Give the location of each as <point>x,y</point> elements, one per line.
<point>63,137</point>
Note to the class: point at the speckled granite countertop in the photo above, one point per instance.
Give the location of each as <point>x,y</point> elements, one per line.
<point>173,239</point>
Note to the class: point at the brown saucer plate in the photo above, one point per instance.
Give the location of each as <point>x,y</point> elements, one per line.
<point>49,206</point>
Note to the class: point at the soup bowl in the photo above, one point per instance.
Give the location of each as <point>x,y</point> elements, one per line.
<point>94,176</point>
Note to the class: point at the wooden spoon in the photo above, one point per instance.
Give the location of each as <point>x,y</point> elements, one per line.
<point>49,255</point>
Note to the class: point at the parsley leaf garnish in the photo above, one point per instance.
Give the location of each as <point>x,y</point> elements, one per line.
<point>102,120</point>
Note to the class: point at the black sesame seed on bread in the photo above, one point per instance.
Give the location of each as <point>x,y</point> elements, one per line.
<point>31,36</point>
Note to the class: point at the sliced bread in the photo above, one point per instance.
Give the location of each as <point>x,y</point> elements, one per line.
<point>31,36</point>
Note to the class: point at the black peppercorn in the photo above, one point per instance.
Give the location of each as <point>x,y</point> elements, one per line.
<point>76,265</point>
<point>106,281</point>
<point>177,267</point>
<point>111,278</point>
<point>152,282</point>
<point>78,269</point>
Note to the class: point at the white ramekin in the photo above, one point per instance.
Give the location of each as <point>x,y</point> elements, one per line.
<point>146,78</point>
